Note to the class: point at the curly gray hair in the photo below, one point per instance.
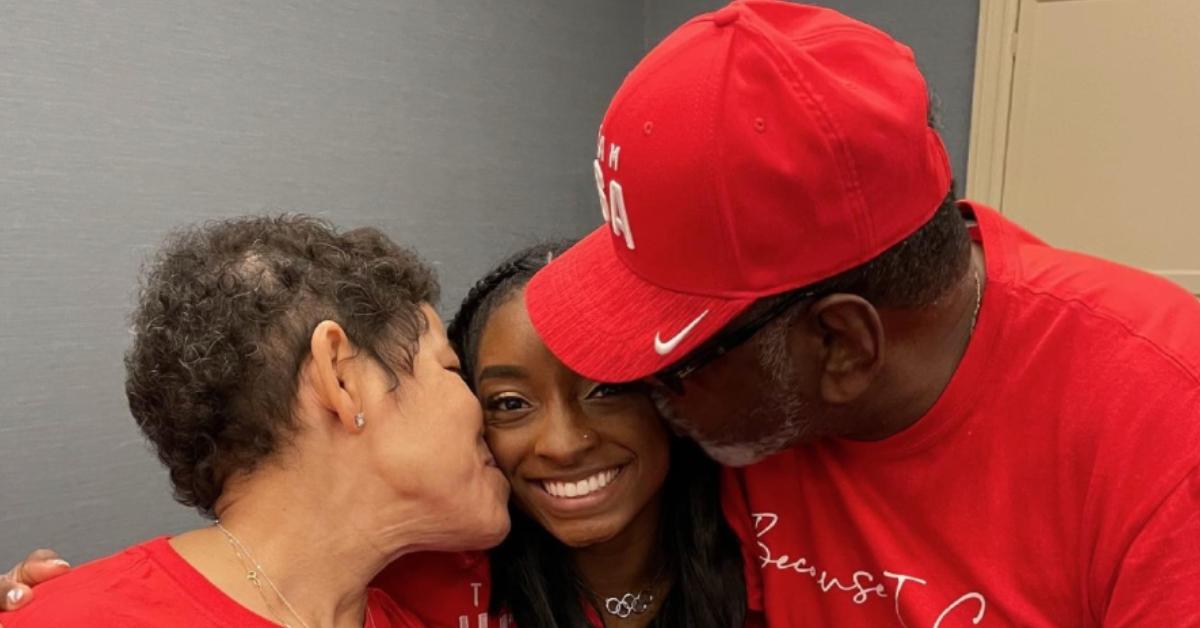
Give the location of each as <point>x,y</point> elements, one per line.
<point>223,325</point>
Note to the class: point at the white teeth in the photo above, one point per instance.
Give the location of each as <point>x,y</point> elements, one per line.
<point>583,487</point>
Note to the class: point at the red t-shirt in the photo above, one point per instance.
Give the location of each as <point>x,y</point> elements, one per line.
<point>1054,483</point>
<point>452,591</point>
<point>151,585</point>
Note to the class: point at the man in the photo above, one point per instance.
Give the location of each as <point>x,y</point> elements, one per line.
<point>939,419</point>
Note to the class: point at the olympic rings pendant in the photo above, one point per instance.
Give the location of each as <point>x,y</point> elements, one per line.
<point>629,604</point>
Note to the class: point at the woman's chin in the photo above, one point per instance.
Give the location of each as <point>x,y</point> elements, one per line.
<point>496,526</point>
<point>484,536</point>
<point>579,535</point>
<point>482,524</point>
<point>499,531</point>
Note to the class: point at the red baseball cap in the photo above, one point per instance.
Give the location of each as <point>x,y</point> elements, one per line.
<point>758,149</point>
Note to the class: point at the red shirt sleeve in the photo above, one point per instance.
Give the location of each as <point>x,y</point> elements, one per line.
<point>1156,581</point>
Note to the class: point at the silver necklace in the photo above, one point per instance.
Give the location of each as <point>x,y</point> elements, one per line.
<point>629,604</point>
<point>632,603</point>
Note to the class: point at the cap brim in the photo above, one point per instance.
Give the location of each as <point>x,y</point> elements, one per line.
<point>608,324</point>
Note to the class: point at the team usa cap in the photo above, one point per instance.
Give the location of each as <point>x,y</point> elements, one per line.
<point>758,149</point>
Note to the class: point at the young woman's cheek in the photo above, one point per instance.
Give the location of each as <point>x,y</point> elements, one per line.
<point>506,447</point>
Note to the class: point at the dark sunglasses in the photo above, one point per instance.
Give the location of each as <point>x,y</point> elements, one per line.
<point>672,377</point>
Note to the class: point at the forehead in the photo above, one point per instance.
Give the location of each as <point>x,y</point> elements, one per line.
<point>509,338</point>
<point>507,329</point>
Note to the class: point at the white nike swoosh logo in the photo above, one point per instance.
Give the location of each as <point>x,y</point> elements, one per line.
<point>663,348</point>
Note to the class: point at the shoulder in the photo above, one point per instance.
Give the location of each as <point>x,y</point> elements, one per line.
<point>107,591</point>
<point>1139,314</point>
<point>1113,351</point>
<point>1109,354</point>
<point>1105,359</point>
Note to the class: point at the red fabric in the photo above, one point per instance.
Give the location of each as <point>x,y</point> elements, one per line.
<point>757,149</point>
<point>444,590</point>
<point>451,591</point>
<point>151,586</point>
<point>1054,483</point>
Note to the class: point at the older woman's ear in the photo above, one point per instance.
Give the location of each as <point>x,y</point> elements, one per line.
<point>336,374</point>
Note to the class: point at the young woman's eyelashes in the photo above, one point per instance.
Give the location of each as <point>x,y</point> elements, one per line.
<point>504,408</point>
<point>605,391</point>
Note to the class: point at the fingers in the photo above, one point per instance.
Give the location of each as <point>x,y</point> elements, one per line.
<point>40,566</point>
<point>13,595</point>
<point>43,554</point>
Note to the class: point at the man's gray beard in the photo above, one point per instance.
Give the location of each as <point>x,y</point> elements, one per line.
<point>780,407</point>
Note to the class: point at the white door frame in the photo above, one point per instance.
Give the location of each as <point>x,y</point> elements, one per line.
<point>995,55</point>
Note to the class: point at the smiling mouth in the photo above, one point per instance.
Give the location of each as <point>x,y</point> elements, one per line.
<point>584,487</point>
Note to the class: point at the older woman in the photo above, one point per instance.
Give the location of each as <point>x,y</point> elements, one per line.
<point>301,392</point>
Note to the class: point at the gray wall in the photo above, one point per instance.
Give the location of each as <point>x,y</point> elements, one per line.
<point>941,32</point>
<point>462,127</point>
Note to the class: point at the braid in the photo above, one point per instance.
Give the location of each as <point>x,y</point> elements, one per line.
<point>490,292</point>
<point>475,296</point>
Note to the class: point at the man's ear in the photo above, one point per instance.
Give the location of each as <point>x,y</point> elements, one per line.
<point>853,346</point>
<point>336,374</point>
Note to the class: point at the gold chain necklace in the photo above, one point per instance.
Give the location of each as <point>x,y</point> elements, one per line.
<point>258,574</point>
<point>978,299</point>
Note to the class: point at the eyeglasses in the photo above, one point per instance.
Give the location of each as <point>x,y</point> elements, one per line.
<point>672,377</point>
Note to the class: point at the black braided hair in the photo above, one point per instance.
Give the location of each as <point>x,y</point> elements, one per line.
<point>492,291</point>
<point>533,576</point>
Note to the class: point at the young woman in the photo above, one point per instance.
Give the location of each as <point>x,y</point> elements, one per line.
<point>615,522</point>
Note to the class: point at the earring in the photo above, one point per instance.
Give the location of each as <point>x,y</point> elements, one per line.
<point>360,420</point>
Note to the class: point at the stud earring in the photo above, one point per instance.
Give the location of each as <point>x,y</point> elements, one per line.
<point>360,420</point>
